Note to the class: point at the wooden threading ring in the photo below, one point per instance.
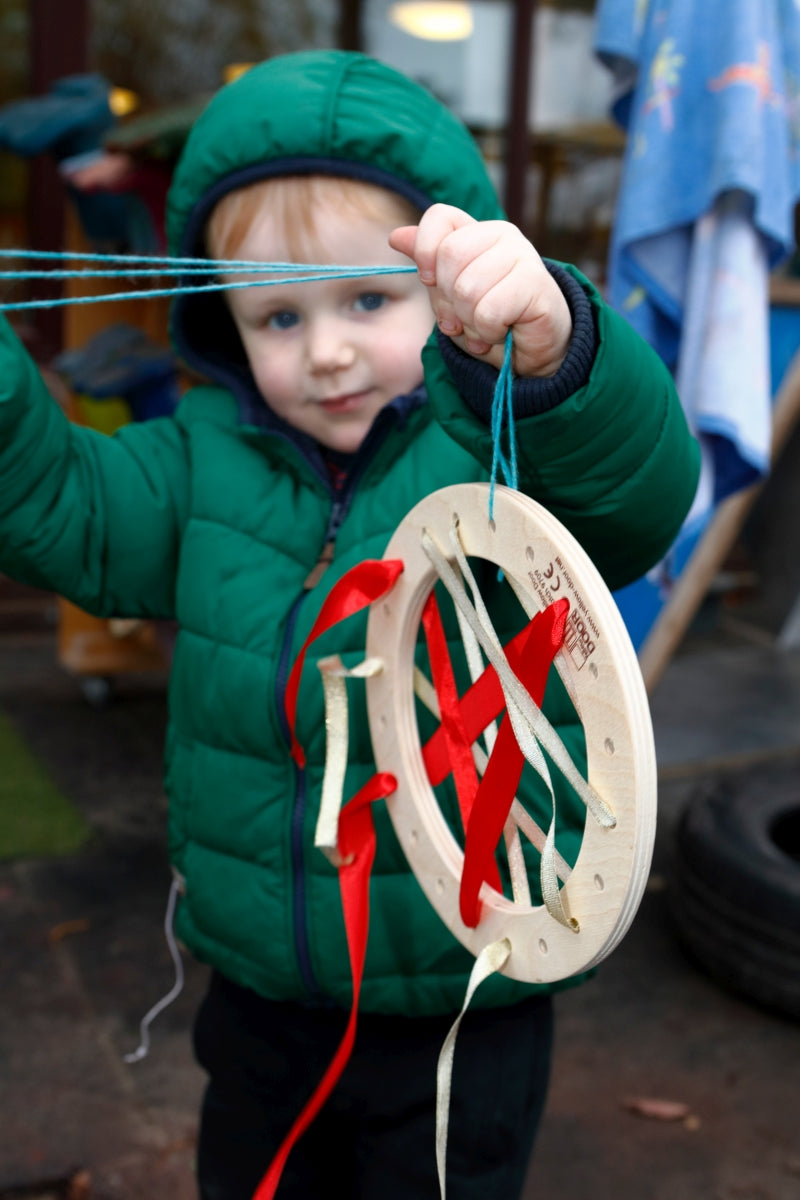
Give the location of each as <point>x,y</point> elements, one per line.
<point>600,670</point>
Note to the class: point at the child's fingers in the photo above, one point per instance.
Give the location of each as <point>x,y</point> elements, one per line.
<point>484,278</point>
<point>476,345</point>
<point>403,239</point>
<point>491,281</point>
<point>493,291</point>
<point>446,317</point>
<point>436,225</point>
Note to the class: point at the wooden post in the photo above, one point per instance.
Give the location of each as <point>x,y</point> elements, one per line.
<point>518,133</point>
<point>59,36</point>
<point>350,35</point>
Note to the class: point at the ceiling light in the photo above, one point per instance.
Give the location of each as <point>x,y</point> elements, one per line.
<point>446,21</point>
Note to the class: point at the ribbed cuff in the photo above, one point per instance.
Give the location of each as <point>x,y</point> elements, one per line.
<point>476,380</point>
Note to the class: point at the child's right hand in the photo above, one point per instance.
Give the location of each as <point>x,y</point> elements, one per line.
<point>484,278</point>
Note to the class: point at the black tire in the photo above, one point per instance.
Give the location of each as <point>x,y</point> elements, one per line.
<point>735,889</point>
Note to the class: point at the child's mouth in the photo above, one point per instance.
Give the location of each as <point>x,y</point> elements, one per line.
<point>343,404</point>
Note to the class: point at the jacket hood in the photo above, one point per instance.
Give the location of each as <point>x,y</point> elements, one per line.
<point>316,112</point>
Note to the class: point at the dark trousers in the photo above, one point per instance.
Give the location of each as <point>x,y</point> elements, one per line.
<point>375,1137</point>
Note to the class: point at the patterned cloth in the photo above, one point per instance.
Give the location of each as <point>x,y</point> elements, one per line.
<point>709,92</point>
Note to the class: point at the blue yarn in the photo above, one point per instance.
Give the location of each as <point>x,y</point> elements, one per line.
<point>322,272</point>
<point>172,264</point>
<point>133,265</point>
<point>76,256</point>
<point>503,412</point>
<point>135,272</point>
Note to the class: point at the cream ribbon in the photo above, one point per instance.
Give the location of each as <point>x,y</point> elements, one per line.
<point>491,958</point>
<point>334,677</point>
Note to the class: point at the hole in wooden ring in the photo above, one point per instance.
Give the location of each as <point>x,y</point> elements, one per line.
<point>440,886</point>
<point>608,746</point>
<point>599,883</point>
<point>593,670</point>
<point>542,946</point>
<point>530,553</point>
<point>413,837</point>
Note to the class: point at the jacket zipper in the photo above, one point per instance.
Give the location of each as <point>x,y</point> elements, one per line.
<point>339,508</point>
<point>299,902</point>
<point>299,914</point>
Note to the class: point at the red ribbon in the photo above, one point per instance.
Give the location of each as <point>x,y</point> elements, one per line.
<point>484,806</point>
<point>360,586</point>
<point>501,777</point>
<point>457,742</point>
<point>357,589</point>
<point>356,838</point>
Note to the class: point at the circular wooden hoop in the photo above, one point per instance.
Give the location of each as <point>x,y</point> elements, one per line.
<point>601,672</point>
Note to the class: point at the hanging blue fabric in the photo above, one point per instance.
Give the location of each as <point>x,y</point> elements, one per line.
<point>708,93</point>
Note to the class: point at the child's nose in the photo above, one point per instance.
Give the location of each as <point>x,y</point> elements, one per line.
<point>330,347</point>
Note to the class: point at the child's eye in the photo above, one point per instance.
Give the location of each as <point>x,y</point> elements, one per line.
<point>370,301</point>
<point>284,319</point>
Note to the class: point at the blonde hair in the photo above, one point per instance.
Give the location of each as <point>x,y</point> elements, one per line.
<point>290,202</point>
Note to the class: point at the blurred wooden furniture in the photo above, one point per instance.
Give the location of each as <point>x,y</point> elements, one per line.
<point>93,649</point>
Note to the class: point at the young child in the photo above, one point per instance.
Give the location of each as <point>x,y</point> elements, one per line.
<point>313,437</point>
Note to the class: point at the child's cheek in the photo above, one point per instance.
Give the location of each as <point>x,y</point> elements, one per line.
<point>275,378</point>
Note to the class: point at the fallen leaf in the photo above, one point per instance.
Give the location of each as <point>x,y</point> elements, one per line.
<point>66,929</point>
<point>657,1110</point>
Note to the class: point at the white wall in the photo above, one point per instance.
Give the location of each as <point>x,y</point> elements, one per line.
<point>473,76</point>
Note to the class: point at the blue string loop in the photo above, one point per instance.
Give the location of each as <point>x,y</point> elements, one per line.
<point>133,265</point>
<point>503,416</point>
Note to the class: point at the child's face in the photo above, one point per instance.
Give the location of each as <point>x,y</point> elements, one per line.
<point>327,356</point>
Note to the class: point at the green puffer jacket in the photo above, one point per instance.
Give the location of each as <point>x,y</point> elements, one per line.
<point>216,517</point>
